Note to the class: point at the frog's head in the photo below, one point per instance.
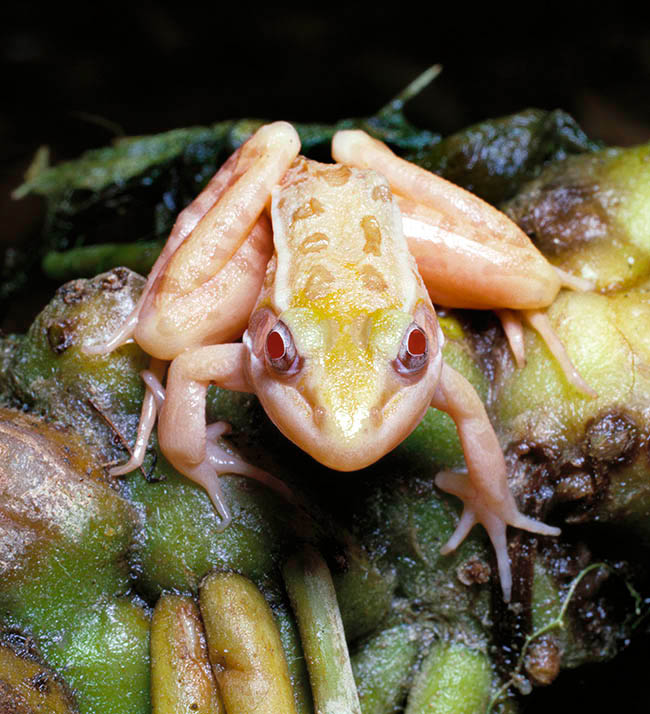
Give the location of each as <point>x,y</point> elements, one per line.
<point>346,388</point>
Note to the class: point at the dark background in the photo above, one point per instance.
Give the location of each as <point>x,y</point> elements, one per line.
<point>74,79</point>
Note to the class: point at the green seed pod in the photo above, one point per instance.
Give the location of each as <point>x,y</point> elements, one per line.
<point>182,681</point>
<point>314,603</point>
<point>453,679</point>
<point>383,668</point>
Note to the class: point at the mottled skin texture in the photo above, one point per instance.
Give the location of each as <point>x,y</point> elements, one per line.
<point>341,342</point>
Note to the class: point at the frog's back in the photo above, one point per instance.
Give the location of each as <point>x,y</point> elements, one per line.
<point>338,238</point>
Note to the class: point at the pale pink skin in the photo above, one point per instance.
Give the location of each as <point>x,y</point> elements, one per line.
<point>209,286</point>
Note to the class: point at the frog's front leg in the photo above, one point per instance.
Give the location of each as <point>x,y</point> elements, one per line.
<point>200,292</point>
<point>484,489</point>
<point>185,439</point>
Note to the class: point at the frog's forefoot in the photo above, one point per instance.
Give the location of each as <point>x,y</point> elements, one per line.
<point>217,459</point>
<point>494,519</point>
<point>225,461</point>
<point>153,400</point>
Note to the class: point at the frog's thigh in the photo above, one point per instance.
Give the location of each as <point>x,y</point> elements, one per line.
<point>207,288</point>
<point>465,270</point>
<point>182,427</point>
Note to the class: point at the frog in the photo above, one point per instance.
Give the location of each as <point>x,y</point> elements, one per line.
<point>312,285</point>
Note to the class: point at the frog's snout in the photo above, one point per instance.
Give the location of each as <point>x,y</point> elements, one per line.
<point>347,438</point>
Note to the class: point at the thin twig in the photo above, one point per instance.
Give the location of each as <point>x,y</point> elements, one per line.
<point>119,435</point>
<point>557,621</point>
<point>413,89</point>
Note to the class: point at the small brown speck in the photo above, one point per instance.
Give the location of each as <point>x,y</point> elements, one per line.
<point>313,207</point>
<point>372,279</point>
<point>74,291</point>
<point>372,233</point>
<point>314,243</point>
<point>41,682</point>
<point>381,192</point>
<point>337,175</point>
<point>543,660</point>
<point>115,279</point>
<point>473,571</point>
<point>60,335</point>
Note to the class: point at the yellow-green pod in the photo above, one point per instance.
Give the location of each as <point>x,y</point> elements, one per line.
<point>244,647</point>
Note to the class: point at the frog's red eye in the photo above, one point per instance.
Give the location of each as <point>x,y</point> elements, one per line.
<point>413,353</point>
<point>280,352</point>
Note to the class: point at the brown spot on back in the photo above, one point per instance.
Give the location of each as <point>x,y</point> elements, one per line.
<point>372,279</point>
<point>300,163</point>
<point>319,283</point>
<point>298,171</point>
<point>381,192</point>
<point>337,175</point>
<point>314,243</point>
<point>313,207</point>
<point>372,232</point>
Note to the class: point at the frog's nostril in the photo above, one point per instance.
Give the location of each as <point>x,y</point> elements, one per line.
<point>376,417</point>
<point>319,416</point>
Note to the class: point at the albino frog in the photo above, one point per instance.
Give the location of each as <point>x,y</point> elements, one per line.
<point>329,271</point>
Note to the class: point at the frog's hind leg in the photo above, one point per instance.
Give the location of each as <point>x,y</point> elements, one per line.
<point>469,254</point>
<point>514,332</point>
<point>538,320</point>
<point>190,445</point>
<point>216,254</point>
